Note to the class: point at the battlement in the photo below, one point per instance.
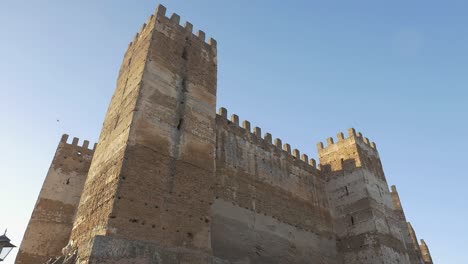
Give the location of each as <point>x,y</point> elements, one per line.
<point>75,141</point>
<point>352,135</point>
<point>267,138</point>
<point>160,15</point>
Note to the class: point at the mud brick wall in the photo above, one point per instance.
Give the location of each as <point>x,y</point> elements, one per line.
<point>270,203</point>
<point>51,222</point>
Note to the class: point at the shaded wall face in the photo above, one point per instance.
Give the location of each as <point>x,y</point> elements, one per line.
<point>104,174</point>
<point>167,175</point>
<point>51,222</point>
<point>367,227</point>
<point>270,207</point>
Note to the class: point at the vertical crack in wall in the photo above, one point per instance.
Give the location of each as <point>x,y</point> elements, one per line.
<point>181,98</point>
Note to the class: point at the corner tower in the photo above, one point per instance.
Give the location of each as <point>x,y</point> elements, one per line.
<point>52,219</point>
<point>364,220</point>
<point>150,184</point>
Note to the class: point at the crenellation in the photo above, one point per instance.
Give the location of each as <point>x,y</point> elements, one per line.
<point>366,141</point>
<point>257,132</point>
<point>136,37</point>
<point>142,27</point>
<point>278,143</point>
<point>160,11</point>
<point>85,144</point>
<point>313,163</point>
<point>212,42</point>
<point>64,138</point>
<point>351,132</point>
<point>223,112</point>
<point>172,174</point>
<point>246,125</point>
<point>188,26</point>
<point>235,119</point>
<point>320,146</point>
<point>75,142</point>
<point>340,136</point>
<point>353,136</point>
<point>175,18</point>
<point>296,153</point>
<point>201,35</point>
<point>287,148</point>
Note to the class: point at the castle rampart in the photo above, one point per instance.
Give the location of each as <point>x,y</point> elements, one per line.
<point>291,226</point>
<point>172,182</point>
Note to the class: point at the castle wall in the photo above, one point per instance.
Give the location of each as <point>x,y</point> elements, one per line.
<point>270,206</point>
<point>365,221</point>
<point>51,222</point>
<point>104,174</point>
<point>172,182</point>
<point>412,249</point>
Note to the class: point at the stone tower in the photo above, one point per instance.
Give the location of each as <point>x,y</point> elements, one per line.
<point>156,148</point>
<point>367,229</point>
<point>52,219</point>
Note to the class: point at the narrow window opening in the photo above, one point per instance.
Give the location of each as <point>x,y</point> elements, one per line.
<point>352,220</point>
<point>346,190</point>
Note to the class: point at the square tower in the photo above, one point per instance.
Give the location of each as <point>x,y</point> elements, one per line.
<point>151,180</point>
<point>364,220</point>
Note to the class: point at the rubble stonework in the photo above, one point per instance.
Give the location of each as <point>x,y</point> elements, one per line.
<point>172,181</point>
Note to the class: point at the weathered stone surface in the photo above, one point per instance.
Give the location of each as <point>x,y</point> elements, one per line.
<point>52,219</point>
<point>111,250</point>
<point>172,182</point>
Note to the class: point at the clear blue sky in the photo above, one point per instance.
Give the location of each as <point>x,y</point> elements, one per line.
<point>302,70</point>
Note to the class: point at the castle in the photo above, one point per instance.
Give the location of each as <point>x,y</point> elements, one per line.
<point>172,181</point>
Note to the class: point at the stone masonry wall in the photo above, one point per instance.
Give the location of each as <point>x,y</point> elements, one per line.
<point>104,175</point>
<point>172,182</point>
<point>153,173</point>
<point>51,222</point>
<point>270,205</point>
<point>366,225</point>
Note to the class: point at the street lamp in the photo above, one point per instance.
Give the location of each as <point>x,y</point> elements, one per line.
<point>5,246</point>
